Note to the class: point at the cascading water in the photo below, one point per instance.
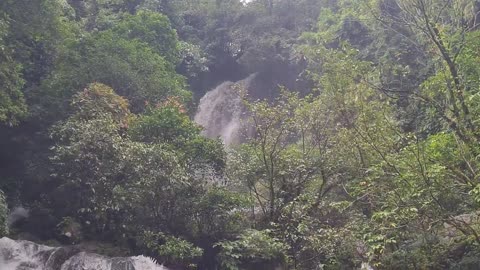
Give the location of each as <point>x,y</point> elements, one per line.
<point>220,111</point>
<point>25,255</point>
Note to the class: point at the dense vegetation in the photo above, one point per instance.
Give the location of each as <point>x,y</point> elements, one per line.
<point>365,148</point>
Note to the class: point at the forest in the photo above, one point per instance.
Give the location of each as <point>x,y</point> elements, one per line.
<point>358,132</point>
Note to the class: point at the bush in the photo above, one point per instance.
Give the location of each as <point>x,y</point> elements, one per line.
<point>252,250</point>
<point>171,250</point>
<point>3,215</point>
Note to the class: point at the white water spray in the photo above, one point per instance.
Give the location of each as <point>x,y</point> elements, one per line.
<point>220,111</point>
<point>18,213</point>
<point>25,255</point>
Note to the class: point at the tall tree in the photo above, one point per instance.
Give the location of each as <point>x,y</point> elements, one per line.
<point>12,103</point>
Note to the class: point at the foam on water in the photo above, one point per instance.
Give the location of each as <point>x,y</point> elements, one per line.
<point>146,263</point>
<point>15,255</point>
<point>25,255</point>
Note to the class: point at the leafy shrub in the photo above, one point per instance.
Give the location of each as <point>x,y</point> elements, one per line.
<point>170,249</point>
<point>3,215</point>
<point>252,250</point>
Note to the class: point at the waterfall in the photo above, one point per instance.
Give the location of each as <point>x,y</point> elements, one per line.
<point>25,255</point>
<point>220,111</point>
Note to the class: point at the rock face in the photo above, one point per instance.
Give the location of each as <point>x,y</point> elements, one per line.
<point>26,255</point>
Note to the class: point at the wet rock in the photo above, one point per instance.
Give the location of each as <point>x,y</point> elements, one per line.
<point>26,255</point>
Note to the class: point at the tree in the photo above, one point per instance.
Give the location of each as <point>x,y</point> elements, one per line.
<point>265,156</point>
<point>253,249</point>
<point>167,123</point>
<point>30,34</point>
<point>88,157</point>
<point>3,215</point>
<point>141,174</point>
<point>445,29</point>
<point>130,66</point>
<point>367,157</point>
<point>409,171</point>
<point>12,103</point>
<point>36,30</point>
<point>153,29</point>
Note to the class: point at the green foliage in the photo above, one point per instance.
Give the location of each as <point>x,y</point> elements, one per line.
<point>194,62</point>
<point>252,248</point>
<point>3,215</point>
<point>144,181</point>
<point>70,230</point>
<point>88,158</point>
<point>374,162</point>
<point>171,249</point>
<point>92,155</point>
<point>12,103</point>
<point>99,99</point>
<point>129,66</point>
<point>153,29</point>
<point>221,213</point>
<point>167,123</point>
